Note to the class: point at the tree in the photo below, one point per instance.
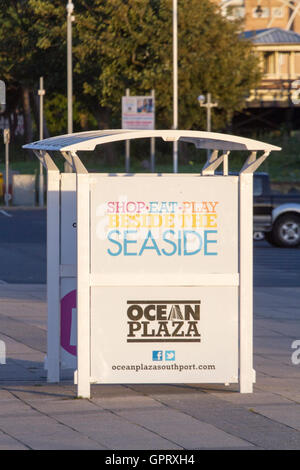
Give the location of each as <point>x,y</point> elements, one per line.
<point>22,56</point>
<point>127,44</point>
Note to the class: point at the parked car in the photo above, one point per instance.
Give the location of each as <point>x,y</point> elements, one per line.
<point>276,215</point>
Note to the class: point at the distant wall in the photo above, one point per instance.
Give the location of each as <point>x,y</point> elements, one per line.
<point>23,190</point>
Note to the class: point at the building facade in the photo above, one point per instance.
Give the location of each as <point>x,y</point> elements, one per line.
<point>273,27</point>
<point>279,53</point>
<point>262,14</point>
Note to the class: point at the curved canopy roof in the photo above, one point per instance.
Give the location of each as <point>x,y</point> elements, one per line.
<point>202,140</point>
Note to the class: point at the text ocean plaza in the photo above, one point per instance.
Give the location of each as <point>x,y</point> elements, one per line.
<point>177,321</point>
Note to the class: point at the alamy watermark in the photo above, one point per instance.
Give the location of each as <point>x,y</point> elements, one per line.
<point>296,354</point>
<point>2,352</point>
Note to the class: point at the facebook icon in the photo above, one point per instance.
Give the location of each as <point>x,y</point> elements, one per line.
<point>157,355</point>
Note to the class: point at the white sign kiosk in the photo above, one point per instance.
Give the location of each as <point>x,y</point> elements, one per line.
<point>162,265</point>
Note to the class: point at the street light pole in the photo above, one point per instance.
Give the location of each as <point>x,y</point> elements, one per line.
<point>127,146</point>
<point>70,18</point>
<point>208,105</point>
<point>175,84</point>
<point>41,93</point>
<point>7,195</point>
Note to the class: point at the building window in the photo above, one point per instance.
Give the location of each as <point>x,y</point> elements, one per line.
<point>283,63</point>
<point>277,12</point>
<point>269,63</point>
<point>297,64</point>
<point>235,12</point>
<point>261,12</point>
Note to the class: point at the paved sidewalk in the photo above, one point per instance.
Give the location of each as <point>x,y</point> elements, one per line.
<point>37,415</point>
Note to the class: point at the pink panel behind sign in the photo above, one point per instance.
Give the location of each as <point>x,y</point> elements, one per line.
<point>68,302</point>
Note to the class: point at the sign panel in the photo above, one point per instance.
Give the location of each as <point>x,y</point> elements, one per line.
<point>138,112</point>
<point>153,318</point>
<point>184,227</point>
<point>164,334</point>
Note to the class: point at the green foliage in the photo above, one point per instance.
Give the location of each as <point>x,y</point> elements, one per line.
<point>131,47</point>
<point>121,44</point>
<point>27,50</point>
<point>55,111</point>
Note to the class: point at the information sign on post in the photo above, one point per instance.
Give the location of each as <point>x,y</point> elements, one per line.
<point>138,112</point>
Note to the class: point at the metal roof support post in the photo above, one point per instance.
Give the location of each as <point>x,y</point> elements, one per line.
<point>252,163</point>
<point>69,161</point>
<point>247,374</point>
<point>53,268</point>
<point>214,161</point>
<point>83,283</point>
<point>77,163</point>
<point>40,156</point>
<point>225,164</point>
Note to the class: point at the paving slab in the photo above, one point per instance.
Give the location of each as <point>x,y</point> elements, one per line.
<point>41,433</point>
<point>107,429</point>
<point>23,332</point>
<point>9,443</point>
<point>23,292</point>
<point>238,418</point>
<point>185,430</point>
<point>285,387</point>
<point>275,368</point>
<point>287,413</point>
<point>122,398</point>
<point>116,432</point>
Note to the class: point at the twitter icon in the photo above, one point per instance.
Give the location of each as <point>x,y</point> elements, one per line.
<point>170,355</point>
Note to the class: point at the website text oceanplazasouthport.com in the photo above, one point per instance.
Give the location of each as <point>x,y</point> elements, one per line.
<point>165,367</point>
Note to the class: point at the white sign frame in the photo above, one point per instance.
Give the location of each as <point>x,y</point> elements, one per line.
<point>68,145</point>
<point>246,372</point>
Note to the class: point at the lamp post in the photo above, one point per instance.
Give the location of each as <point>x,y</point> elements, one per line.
<point>175,84</point>
<point>7,195</point>
<point>70,19</point>
<point>41,93</point>
<point>208,105</point>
